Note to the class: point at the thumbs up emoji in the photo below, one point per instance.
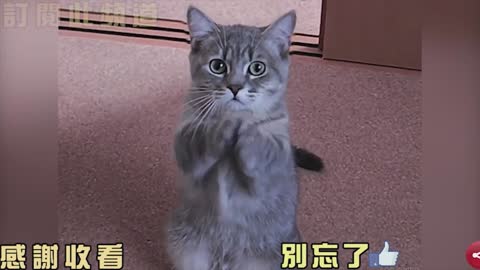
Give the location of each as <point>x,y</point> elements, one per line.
<point>384,258</point>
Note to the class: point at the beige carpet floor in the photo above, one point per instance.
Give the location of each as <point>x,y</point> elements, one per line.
<point>118,106</point>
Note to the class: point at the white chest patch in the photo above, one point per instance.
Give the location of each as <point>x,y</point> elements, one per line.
<point>233,204</point>
<point>224,200</point>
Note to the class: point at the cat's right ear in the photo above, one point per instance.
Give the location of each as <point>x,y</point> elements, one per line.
<point>199,24</point>
<point>279,33</point>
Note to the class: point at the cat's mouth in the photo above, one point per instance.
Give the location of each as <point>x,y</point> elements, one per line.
<point>236,104</point>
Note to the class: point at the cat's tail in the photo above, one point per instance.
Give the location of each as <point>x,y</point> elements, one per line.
<point>307,160</point>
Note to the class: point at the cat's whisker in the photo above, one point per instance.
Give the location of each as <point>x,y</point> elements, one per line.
<point>200,91</point>
<point>219,42</point>
<point>210,107</point>
<point>206,94</point>
<point>197,113</point>
<point>202,115</point>
<point>197,91</point>
<point>210,88</point>
<point>224,36</point>
<point>212,112</point>
<point>195,108</point>
<point>209,96</point>
<point>260,40</point>
<point>200,87</point>
<point>194,123</point>
<point>195,101</point>
<point>194,111</point>
<point>214,105</point>
<point>218,94</point>
<point>196,98</point>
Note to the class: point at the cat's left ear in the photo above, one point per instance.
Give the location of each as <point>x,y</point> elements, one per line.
<point>199,24</point>
<point>281,31</point>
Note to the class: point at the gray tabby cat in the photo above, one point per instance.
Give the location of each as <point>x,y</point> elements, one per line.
<point>239,196</point>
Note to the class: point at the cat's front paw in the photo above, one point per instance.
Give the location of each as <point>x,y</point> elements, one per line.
<point>225,134</point>
<point>247,150</point>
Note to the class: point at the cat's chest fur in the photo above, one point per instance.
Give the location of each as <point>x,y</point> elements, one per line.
<point>233,201</point>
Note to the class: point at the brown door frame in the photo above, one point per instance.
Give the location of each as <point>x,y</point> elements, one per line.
<point>323,16</point>
<point>377,34</point>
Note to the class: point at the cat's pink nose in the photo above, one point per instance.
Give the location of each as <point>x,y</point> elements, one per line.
<point>235,88</point>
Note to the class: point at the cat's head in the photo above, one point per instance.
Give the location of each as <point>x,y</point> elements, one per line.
<point>239,67</point>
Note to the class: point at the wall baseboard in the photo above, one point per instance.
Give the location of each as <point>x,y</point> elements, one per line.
<point>157,31</point>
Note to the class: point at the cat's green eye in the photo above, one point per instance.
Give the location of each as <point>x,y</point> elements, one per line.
<point>256,68</point>
<point>217,66</point>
